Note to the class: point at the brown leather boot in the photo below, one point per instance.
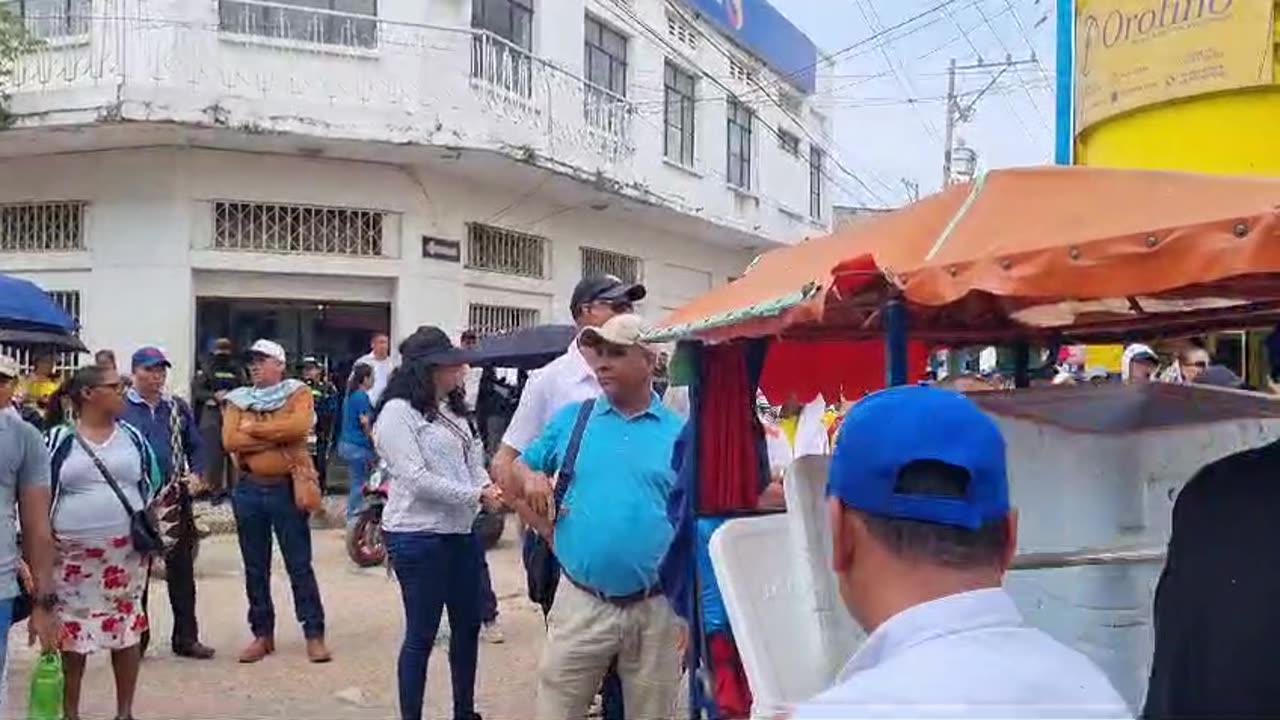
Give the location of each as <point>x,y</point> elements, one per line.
<point>258,649</point>
<point>317,652</point>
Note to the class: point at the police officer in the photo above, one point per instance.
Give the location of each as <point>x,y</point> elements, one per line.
<point>219,374</point>
<point>325,396</point>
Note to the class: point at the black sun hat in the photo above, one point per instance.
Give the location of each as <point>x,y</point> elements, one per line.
<point>431,345</point>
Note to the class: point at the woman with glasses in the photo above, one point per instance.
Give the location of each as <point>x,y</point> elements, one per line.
<point>99,577</point>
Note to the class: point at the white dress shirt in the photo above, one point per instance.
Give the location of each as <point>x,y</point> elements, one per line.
<point>567,379</point>
<point>969,655</point>
<point>381,374</point>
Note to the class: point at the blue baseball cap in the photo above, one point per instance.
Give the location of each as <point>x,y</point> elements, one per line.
<point>149,357</point>
<point>893,428</point>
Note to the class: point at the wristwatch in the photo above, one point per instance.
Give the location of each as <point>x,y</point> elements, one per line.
<point>46,601</point>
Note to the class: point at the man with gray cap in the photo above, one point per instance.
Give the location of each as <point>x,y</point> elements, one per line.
<point>565,381</point>
<point>922,534</point>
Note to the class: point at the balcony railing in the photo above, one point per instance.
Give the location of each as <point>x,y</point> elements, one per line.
<point>329,73</point>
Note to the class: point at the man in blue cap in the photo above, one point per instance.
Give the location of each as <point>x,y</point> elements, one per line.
<point>922,536</point>
<point>170,428</point>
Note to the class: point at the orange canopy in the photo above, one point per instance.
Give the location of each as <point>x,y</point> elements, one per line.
<point>1086,253</point>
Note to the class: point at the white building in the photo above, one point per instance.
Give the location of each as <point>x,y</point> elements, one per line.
<point>313,170</point>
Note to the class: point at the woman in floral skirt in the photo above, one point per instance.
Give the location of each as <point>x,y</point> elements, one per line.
<point>100,578</point>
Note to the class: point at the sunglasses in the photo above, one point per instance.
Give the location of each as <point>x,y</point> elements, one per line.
<point>620,307</point>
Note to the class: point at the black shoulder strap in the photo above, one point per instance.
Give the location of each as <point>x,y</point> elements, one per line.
<point>102,468</point>
<point>568,468</point>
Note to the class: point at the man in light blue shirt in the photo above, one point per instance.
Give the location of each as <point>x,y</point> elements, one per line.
<point>610,534</point>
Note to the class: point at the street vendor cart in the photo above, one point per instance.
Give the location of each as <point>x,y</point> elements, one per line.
<point>1021,257</point>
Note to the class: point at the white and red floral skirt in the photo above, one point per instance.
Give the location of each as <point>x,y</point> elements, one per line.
<point>100,585</point>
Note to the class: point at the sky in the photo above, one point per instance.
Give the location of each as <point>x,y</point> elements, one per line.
<point>887,100</point>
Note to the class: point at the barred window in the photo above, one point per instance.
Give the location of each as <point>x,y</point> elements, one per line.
<point>51,19</point>
<point>509,252</point>
<point>495,319</point>
<point>42,227</point>
<point>261,227</point>
<point>740,146</point>
<point>68,300</point>
<point>605,262</point>
<point>347,23</point>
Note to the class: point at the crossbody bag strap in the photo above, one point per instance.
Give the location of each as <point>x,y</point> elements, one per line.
<point>179,463</point>
<point>568,468</point>
<point>106,474</point>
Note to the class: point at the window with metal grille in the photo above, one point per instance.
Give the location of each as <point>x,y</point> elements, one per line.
<point>789,143</point>
<point>51,19</point>
<point>739,151</point>
<point>605,61</point>
<point>42,227</point>
<point>496,319</point>
<point>68,300</point>
<point>605,262</point>
<point>271,228</point>
<point>815,181</point>
<point>681,31</point>
<point>349,23</point>
<point>509,252</point>
<point>678,115</point>
<point>501,55</point>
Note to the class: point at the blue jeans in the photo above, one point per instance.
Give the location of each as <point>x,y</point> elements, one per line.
<point>260,509</point>
<point>437,572</point>
<point>360,460</point>
<point>6,620</point>
<point>488,600</point>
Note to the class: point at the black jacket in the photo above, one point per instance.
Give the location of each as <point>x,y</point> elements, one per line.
<point>217,373</point>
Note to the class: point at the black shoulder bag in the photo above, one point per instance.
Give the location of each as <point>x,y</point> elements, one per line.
<point>142,527</point>
<point>542,569</point>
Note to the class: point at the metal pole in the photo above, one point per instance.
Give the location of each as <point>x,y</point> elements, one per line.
<point>1064,139</point>
<point>895,339</point>
<point>949,139</point>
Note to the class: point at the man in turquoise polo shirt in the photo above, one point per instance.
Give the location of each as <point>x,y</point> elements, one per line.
<point>610,534</point>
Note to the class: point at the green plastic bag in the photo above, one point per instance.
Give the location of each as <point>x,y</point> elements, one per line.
<point>46,689</point>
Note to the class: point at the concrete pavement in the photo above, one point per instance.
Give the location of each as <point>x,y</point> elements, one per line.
<point>365,626</point>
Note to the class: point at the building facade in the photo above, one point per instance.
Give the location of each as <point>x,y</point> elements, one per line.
<point>316,170</point>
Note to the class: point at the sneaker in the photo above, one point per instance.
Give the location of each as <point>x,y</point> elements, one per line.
<point>491,632</point>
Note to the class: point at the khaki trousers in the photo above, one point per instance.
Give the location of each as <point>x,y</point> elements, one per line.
<point>584,634</point>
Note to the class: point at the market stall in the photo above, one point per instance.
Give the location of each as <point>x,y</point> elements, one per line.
<point>1041,255</point>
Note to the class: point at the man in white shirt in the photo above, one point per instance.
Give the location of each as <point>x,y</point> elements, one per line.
<point>922,536</point>
<point>566,380</point>
<point>379,359</point>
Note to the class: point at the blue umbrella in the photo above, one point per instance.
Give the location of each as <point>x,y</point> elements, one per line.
<point>24,306</point>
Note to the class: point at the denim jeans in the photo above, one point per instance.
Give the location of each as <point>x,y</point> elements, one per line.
<point>437,572</point>
<point>259,510</point>
<point>360,460</point>
<point>6,620</point>
<point>488,600</point>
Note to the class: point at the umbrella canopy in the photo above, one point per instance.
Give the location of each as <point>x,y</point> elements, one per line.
<point>1086,253</point>
<point>526,349</point>
<point>23,305</point>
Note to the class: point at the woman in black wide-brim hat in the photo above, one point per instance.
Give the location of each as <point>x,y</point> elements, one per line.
<point>437,483</point>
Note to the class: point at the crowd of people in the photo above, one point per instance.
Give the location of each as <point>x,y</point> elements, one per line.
<point>922,526</point>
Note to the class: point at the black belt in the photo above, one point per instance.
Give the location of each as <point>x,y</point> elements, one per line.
<point>617,600</point>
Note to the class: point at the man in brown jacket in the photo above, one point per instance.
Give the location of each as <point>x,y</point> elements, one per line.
<point>265,429</point>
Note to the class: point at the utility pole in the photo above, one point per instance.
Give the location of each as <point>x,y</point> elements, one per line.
<point>958,113</point>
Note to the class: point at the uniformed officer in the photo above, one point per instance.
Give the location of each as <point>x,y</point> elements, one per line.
<point>219,374</point>
<point>922,536</point>
<point>325,396</point>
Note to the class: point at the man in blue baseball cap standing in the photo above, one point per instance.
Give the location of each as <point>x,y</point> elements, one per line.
<point>923,534</point>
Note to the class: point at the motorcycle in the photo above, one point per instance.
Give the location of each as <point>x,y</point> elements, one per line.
<point>365,544</point>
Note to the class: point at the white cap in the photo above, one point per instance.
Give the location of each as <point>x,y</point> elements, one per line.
<point>625,329</point>
<point>268,348</point>
<point>9,367</point>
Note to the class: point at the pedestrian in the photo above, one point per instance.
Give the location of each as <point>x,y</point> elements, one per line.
<point>437,483</point>
<point>170,428</point>
<point>1138,365</point>
<point>567,380</point>
<point>378,358</point>
<point>102,472</point>
<point>1193,361</point>
<point>24,480</point>
<point>1216,638</point>
<point>265,428</point>
<point>610,535</point>
<point>922,536</point>
<point>37,389</point>
<point>218,375</point>
<point>325,398</point>
<point>355,442</point>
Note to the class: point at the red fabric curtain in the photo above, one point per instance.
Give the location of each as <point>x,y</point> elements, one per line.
<point>835,369</point>
<point>729,456</point>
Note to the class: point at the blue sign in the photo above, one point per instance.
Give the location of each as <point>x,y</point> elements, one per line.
<point>758,27</point>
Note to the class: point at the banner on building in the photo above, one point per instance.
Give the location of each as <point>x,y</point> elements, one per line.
<point>765,32</point>
<point>1132,54</point>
